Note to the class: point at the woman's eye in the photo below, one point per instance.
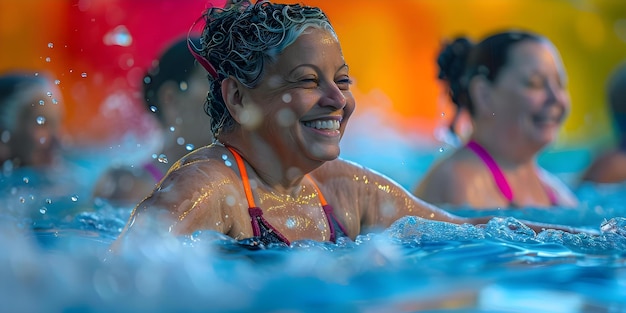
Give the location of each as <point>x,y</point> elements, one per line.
<point>309,82</point>
<point>535,83</point>
<point>344,83</point>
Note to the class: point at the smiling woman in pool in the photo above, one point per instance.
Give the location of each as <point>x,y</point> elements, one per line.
<point>279,103</point>
<point>513,85</point>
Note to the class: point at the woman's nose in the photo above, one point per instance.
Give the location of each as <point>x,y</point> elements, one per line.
<point>333,96</point>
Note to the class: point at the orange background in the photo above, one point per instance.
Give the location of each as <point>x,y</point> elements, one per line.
<point>390,46</point>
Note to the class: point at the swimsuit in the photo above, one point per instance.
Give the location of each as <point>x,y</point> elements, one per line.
<point>266,234</point>
<point>154,171</point>
<point>498,176</point>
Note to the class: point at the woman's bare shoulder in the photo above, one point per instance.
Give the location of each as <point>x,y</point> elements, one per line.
<point>460,163</point>
<point>196,192</point>
<point>447,181</point>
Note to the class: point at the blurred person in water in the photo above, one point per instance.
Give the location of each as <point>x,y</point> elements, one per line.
<point>514,86</point>
<point>35,175</point>
<point>174,89</point>
<point>610,166</point>
<point>279,104</point>
<point>30,121</point>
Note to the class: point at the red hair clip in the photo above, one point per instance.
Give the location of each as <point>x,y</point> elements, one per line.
<point>194,51</point>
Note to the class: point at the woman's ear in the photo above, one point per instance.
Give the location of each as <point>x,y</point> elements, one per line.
<point>240,106</point>
<point>232,96</point>
<point>480,95</point>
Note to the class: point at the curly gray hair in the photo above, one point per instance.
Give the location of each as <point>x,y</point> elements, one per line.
<point>241,39</point>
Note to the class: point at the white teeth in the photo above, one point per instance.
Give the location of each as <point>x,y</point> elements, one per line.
<point>329,124</point>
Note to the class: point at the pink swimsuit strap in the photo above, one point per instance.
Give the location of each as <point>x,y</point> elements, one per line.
<point>154,171</point>
<point>498,176</point>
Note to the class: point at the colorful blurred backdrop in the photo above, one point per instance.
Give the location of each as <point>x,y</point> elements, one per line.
<point>99,49</point>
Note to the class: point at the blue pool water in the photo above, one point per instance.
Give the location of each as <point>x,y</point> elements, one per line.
<point>58,261</point>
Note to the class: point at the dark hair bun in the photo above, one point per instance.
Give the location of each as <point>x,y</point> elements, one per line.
<point>451,63</point>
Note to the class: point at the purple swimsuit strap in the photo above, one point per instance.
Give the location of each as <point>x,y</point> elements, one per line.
<point>154,171</point>
<point>498,176</point>
<point>493,167</point>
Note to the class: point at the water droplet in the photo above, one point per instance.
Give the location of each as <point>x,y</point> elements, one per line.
<point>286,98</point>
<point>74,198</point>
<point>83,75</point>
<point>441,149</point>
<point>55,101</point>
<point>227,163</point>
<point>154,156</point>
<point>42,140</point>
<point>224,157</point>
<point>183,86</point>
<point>147,80</point>
<point>119,36</point>
<point>180,141</point>
<point>43,210</point>
<point>290,222</point>
<point>36,74</point>
<point>48,201</point>
<point>153,109</point>
<point>162,158</point>
<point>22,200</point>
<point>172,128</point>
<point>189,147</point>
<point>49,94</point>
<point>41,120</point>
<point>25,179</point>
<point>48,59</point>
<point>57,82</point>
<point>230,200</point>
<point>50,45</point>
<point>41,102</point>
<point>285,117</point>
<point>443,114</point>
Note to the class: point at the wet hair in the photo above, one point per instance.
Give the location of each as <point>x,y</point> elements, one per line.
<point>12,85</point>
<point>616,97</point>
<point>240,40</point>
<point>461,60</point>
<point>176,64</point>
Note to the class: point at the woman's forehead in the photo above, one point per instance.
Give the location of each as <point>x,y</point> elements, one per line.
<point>312,46</point>
<point>533,56</point>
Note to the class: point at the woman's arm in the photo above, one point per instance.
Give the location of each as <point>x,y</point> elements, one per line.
<point>378,200</point>
<point>381,201</point>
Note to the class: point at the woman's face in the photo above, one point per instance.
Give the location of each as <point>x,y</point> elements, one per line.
<point>529,98</point>
<point>304,99</point>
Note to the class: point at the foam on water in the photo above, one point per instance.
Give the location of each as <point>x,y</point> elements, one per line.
<point>415,264</point>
